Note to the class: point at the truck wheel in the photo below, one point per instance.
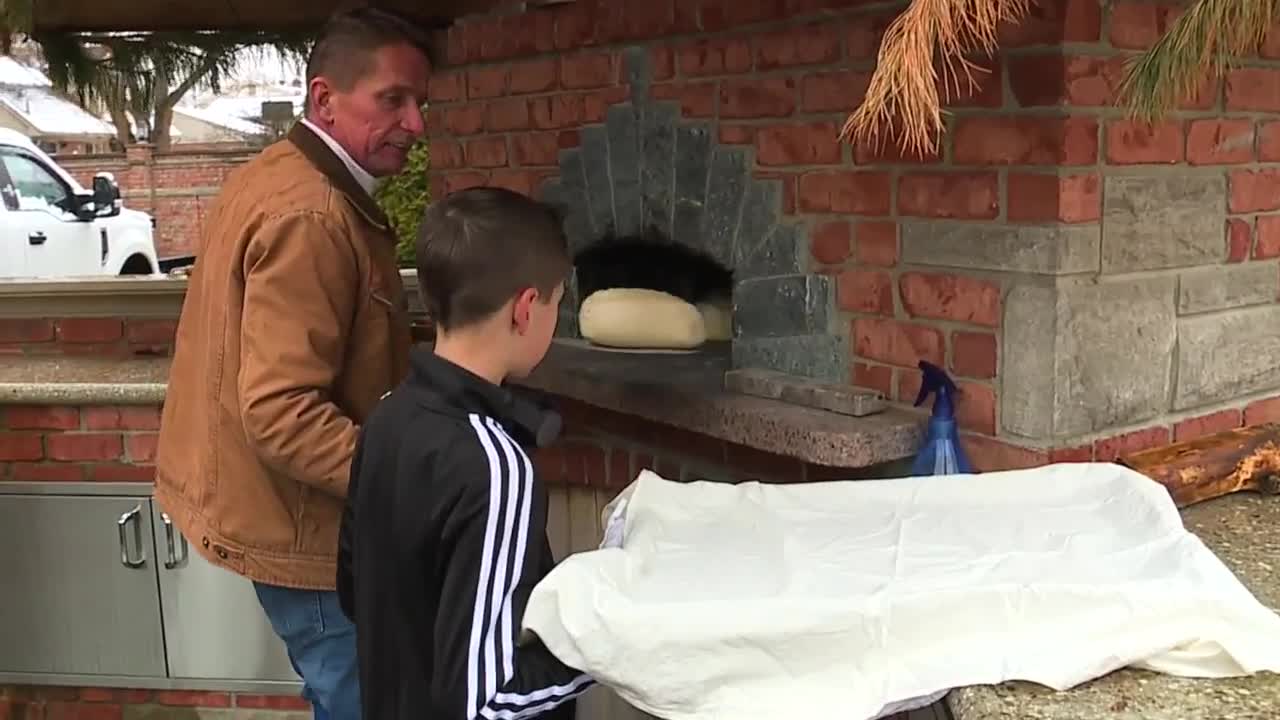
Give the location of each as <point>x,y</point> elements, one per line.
<point>137,265</point>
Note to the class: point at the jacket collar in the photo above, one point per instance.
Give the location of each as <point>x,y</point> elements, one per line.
<point>318,153</point>
<point>441,384</point>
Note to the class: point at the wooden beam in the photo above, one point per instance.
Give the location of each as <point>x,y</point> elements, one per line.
<point>1242,460</point>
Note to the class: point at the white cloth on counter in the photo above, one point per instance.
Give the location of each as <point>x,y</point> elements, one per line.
<point>714,601</point>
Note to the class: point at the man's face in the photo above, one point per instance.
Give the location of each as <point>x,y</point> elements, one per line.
<point>379,117</point>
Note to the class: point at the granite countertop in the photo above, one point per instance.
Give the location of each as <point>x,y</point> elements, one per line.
<point>1244,531</point>
<point>68,379</point>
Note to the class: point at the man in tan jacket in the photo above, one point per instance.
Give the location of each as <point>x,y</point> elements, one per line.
<point>294,325</point>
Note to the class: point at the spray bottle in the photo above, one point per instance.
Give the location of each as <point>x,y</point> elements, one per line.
<point>941,453</point>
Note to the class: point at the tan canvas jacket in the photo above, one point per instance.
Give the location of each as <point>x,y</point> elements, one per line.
<point>294,325</point>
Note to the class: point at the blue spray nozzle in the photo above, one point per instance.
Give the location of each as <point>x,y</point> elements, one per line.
<point>936,380</point>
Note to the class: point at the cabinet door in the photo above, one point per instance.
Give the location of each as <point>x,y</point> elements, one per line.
<point>80,587</point>
<point>214,627</point>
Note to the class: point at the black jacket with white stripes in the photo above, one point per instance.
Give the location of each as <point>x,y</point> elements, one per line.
<point>442,539</point>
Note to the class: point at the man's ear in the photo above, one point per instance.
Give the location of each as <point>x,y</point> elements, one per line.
<point>319,95</point>
<point>522,308</point>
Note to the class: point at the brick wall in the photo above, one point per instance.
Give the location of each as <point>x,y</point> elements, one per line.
<point>66,443</point>
<point>1003,257</point>
<point>176,187</point>
<point>96,336</point>
<point>91,703</point>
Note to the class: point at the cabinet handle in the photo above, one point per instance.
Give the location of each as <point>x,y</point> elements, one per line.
<point>133,516</point>
<point>172,561</point>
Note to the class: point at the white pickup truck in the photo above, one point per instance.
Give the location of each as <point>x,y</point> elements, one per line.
<point>51,227</point>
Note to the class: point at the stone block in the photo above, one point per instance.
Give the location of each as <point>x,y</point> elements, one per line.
<point>839,397</point>
<point>1162,221</point>
<point>625,162</point>
<point>1226,287</point>
<point>1084,356</point>
<point>1040,250</point>
<point>782,306</point>
<point>595,167</point>
<point>638,72</point>
<point>779,254</point>
<point>657,176</point>
<point>1227,356</point>
<point>572,195</point>
<point>823,357</point>
<point>167,712</point>
<point>692,164</point>
<point>725,190</point>
<point>761,210</point>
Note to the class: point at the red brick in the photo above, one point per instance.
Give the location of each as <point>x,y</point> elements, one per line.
<point>877,243</point>
<point>876,377</point>
<point>758,97</point>
<point>193,698</point>
<point>152,331</point>
<point>1193,428</point>
<point>25,330</point>
<point>141,447</point>
<point>63,710</point>
<point>447,155</point>
<point>453,182</point>
<point>868,291</point>
<point>865,33</point>
<point>859,193</point>
<point>1080,454</point>
<point>48,472</point>
<point>1131,142</point>
<point>557,111</point>
<point>521,181</point>
<point>487,82</point>
<point>1239,240</point>
<point>754,464</point>
<point>536,148</point>
<point>121,472</point>
<point>1255,190</point>
<point>1269,141</point>
<point>1079,80</point>
<point>662,63</point>
<point>798,144</point>
<point>1220,142</point>
<point>84,446</point>
<point>973,354</point>
<point>465,119</point>
<point>587,70</point>
<point>1041,197</point>
<point>725,14</point>
<point>487,152</point>
<point>950,297</point>
<point>737,135</point>
<point>1137,25</point>
<point>507,114</point>
<point>272,702</point>
<point>548,462</point>
<point>714,56</point>
<point>20,446</point>
<point>696,99</point>
<point>42,417</point>
<point>990,455</point>
<point>1262,412</point>
<point>1256,89</point>
<point>435,121</point>
<point>116,695</point>
<point>1268,244</point>
<point>1051,22</point>
<point>1111,448</point>
<point>949,195</point>
<point>830,242</point>
<point>813,44</point>
<point>575,25</point>
<point>983,89</point>
<point>1026,141</point>
<point>90,330</point>
<point>620,474</point>
<point>122,418</point>
<point>887,150</point>
<point>446,87</point>
<point>584,463</point>
<point>597,102</point>
<point>534,76</point>
<point>976,407</point>
<point>834,91</point>
<point>896,343</point>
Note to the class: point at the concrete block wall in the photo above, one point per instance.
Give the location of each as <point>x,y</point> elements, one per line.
<point>1091,281</point>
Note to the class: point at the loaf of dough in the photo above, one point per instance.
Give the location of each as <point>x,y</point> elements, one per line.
<point>640,318</point>
<point>718,318</point>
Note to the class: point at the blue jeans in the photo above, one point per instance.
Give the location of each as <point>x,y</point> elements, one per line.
<point>321,641</point>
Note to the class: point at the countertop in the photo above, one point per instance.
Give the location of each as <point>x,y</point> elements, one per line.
<point>1244,531</point>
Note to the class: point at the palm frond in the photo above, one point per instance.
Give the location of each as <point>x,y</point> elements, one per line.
<point>16,17</point>
<point>1204,42</point>
<point>903,93</point>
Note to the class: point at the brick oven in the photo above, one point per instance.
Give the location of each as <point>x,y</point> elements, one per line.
<point>1005,256</point>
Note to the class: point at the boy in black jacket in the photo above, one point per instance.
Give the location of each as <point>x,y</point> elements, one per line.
<point>444,533</point>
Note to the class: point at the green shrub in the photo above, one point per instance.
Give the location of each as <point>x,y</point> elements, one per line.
<point>404,197</point>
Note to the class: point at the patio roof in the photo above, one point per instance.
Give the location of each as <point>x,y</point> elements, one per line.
<point>187,15</point>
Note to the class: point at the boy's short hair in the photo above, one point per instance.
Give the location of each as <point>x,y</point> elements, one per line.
<point>478,248</point>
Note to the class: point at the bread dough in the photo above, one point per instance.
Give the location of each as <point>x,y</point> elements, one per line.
<point>718,318</point>
<point>640,318</point>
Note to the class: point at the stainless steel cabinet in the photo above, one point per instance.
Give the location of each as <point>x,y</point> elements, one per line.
<point>80,587</point>
<point>213,625</point>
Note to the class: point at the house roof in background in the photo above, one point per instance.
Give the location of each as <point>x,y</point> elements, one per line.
<point>230,122</point>
<point>50,115</point>
<point>14,74</point>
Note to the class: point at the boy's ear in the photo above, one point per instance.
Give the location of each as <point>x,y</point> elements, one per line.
<point>522,308</point>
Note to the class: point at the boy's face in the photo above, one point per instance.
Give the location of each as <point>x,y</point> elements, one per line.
<point>536,319</point>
